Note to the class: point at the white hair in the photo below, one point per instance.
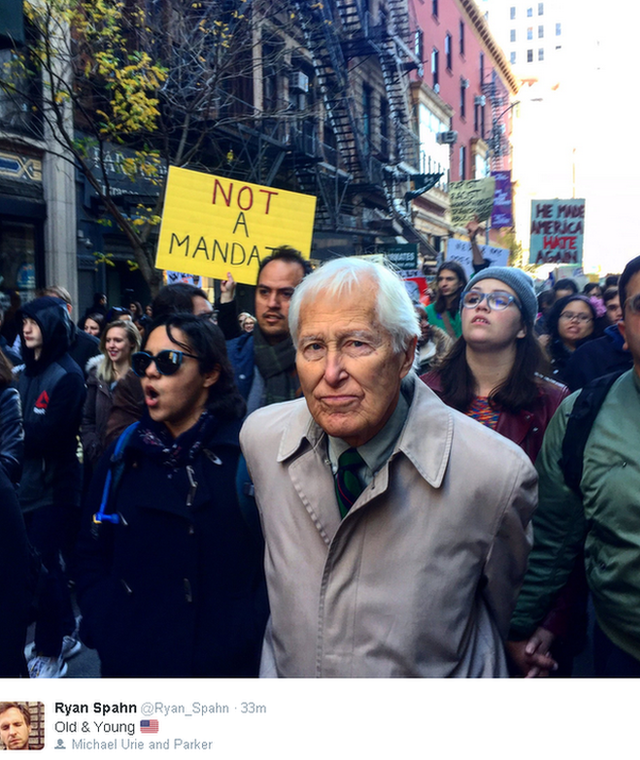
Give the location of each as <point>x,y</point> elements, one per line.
<point>394,310</point>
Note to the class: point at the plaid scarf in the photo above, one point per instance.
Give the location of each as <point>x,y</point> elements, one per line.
<point>277,365</point>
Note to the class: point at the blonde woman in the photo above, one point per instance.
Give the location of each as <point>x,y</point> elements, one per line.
<point>119,340</point>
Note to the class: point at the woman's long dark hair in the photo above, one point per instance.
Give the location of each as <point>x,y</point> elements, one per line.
<point>207,342</point>
<point>519,391</point>
<point>441,302</point>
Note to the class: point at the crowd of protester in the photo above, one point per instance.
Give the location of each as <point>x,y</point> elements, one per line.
<point>140,522</point>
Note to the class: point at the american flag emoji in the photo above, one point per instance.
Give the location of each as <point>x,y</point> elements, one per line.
<point>149,726</point>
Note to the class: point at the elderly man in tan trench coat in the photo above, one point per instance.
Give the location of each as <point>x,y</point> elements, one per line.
<point>397,530</point>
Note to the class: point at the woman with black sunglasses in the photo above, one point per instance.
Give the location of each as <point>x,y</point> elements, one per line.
<point>170,578</point>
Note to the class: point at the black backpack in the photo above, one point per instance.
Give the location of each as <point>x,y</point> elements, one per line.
<point>584,413</point>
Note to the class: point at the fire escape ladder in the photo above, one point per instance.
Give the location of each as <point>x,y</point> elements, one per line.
<point>322,41</point>
<point>351,14</point>
<point>499,101</point>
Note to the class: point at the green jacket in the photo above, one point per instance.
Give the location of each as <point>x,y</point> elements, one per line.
<point>606,520</point>
<point>436,319</point>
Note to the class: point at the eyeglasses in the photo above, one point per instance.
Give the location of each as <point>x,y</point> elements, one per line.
<point>570,316</point>
<point>497,299</point>
<point>167,362</point>
<point>633,303</point>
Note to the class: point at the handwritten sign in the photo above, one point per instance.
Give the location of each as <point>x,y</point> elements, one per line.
<point>557,231</point>
<point>460,251</point>
<point>470,198</point>
<point>214,225</point>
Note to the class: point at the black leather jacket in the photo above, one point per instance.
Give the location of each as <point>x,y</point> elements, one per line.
<point>11,434</point>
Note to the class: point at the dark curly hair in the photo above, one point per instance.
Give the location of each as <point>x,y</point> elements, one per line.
<point>206,341</point>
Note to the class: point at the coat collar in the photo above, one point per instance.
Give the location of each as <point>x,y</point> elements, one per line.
<point>425,439</point>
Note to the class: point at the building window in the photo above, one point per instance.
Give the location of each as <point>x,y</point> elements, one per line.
<point>512,57</point>
<point>512,35</point>
<point>540,32</point>
<point>463,162</point>
<point>558,30</point>
<point>541,54</point>
<point>434,8</point>
<point>447,51</point>
<point>529,32</point>
<point>482,128</point>
<point>529,56</point>
<point>418,45</point>
<point>435,69</point>
<point>540,9</point>
<point>461,32</point>
<point>512,12</point>
<point>529,12</point>
<point>463,98</point>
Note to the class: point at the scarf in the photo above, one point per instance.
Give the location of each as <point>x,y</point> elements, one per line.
<point>277,365</point>
<point>155,441</point>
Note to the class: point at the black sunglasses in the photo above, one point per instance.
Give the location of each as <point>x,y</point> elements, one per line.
<point>168,362</point>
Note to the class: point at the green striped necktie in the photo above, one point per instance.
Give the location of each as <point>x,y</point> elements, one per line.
<point>348,485</point>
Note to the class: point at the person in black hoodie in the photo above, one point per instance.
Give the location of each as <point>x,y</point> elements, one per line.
<point>52,392</point>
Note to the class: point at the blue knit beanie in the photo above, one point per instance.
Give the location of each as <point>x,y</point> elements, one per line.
<point>518,281</point>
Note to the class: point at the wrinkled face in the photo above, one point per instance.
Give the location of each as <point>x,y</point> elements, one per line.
<point>117,345</point>
<point>275,287</point>
<point>32,333</point>
<point>91,327</point>
<point>576,322</point>
<point>614,310</point>
<point>14,730</point>
<point>484,328</point>
<point>630,328</point>
<point>448,283</point>
<point>349,372</point>
<point>176,400</point>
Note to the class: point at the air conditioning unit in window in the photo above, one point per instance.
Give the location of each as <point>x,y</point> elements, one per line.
<point>300,81</point>
<point>447,138</point>
<point>436,88</point>
<point>479,100</point>
<point>464,83</point>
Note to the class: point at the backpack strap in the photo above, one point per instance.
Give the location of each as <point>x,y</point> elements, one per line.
<point>114,474</point>
<point>584,413</point>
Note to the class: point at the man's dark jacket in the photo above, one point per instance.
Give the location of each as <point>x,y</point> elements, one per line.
<point>597,358</point>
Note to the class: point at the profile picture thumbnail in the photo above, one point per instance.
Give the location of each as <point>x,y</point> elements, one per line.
<point>21,725</point>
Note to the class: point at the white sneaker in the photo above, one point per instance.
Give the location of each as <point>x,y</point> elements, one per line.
<point>47,667</point>
<point>70,647</point>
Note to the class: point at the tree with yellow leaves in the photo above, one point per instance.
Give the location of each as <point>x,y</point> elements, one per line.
<point>124,89</point>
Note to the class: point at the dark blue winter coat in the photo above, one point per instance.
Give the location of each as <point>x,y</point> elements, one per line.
<point>175,589</point>
<point>240,351</point>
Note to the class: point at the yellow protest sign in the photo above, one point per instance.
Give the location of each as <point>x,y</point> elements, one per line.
<point>214,225</point>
